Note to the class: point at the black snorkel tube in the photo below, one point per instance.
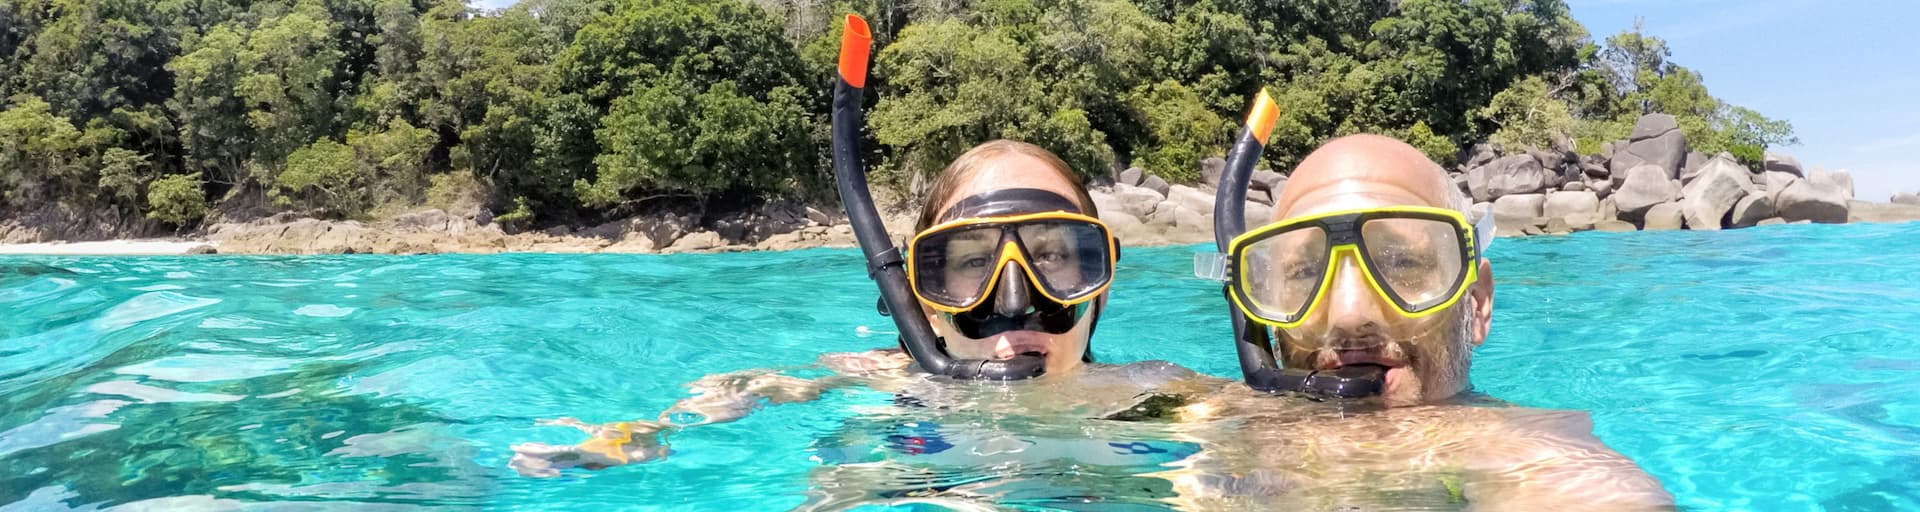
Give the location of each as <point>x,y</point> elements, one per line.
<point>885,264</point>
<point>1257,364</point>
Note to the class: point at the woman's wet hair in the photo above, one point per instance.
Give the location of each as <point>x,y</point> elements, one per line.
<point>975,159</point>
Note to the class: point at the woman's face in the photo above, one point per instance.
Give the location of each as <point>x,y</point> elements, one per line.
<point>1062,351</point>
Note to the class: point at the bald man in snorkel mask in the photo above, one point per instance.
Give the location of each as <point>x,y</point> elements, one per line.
<point>1371,271</point>
<point>1370,260</point>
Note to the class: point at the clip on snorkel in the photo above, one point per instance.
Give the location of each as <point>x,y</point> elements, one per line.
<point>1255,349</point>
<point>885,265</point>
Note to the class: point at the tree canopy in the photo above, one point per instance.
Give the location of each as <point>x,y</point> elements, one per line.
<point>571,109</point>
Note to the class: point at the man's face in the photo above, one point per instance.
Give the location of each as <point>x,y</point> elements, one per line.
<point>1428,357</point>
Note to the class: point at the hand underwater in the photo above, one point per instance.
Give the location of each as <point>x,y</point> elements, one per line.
<point>613,444</point>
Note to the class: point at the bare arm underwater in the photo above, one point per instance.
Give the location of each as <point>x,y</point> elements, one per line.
<point>718,398</point>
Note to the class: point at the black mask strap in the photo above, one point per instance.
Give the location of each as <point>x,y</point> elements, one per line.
<point>1011,201</point>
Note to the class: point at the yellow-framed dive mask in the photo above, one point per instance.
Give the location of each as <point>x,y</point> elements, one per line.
<point>955,265</point>
<point>1419,259</point>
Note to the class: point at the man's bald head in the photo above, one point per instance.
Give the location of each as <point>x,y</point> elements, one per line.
<point>1356,169</point>
<point>1427,356</point>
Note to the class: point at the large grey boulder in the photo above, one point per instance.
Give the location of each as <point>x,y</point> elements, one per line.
<point>1573,206</point>
<point>1751,210</point>
<point>1267,180</point>
<point>1135,201</point>
<point>1132,176</point>
<point>1548,158</point>
<point>1602,188</point>
<point>1259,196</point>
<point>1772,182</point>
<point>1519,208</point>
<point>1646,186</point>
<point>1658,141</point>
<point>1719,185</point>
<point>1210,170</point>
<point>1595,170</point>
<point>698,241</point>
<point>1839,179</point>
<point>1513,174</point>
<point>1664,216</point>
<point>1782,162</point>
<point>1155,184</point>
<point>1613,226</point>
<point>1192,220</point>
<point>1905,198</point>
<point>1695,161</point>
<point>1815,201</point>
<point>1862,211</point>
<point>1477,155</point>
<point>1479,211</point>
<point>1104,201</point>
<point>1128,228</point>
<point>1191,198</point>
<point>1653,125</point>
<point>1163,214</point>
<point>1256,214</point>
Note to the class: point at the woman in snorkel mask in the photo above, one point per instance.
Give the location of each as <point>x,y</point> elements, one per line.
<point>1009,269</point>
<point>1009,259</point>
<point>1003,280</point>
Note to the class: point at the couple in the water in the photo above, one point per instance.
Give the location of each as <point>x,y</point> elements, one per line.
<point>1369,280</point>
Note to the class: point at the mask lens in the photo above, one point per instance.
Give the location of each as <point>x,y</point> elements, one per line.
<point>1279,274</point>
<point>952,268</point>
<point>1418,259</point>
<point>1070,258</point>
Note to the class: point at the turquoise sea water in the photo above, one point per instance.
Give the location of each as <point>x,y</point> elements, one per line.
<point>1768,369</point>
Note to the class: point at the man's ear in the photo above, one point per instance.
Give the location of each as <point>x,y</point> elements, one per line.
<point>1480,305</point>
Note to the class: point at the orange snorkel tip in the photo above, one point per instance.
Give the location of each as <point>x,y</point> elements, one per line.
<point>1260,121</point>
<point>856,45</point>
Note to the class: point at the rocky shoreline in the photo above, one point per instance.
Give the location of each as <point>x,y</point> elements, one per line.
<point>1647,182</point>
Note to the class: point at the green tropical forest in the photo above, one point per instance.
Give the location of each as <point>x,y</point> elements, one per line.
<point>132,116</point>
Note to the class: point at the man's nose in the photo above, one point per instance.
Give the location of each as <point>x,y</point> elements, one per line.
<point>1353,309</point>
<point>1013,298</point>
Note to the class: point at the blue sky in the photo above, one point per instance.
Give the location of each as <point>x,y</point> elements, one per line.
<point>1845,72</point>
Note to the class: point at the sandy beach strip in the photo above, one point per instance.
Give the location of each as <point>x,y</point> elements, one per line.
<point>104,248</point>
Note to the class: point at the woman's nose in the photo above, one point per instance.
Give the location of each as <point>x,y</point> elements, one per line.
<point>1013,298</point>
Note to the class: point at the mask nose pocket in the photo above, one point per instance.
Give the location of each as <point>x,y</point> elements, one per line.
<point>1013,297</point>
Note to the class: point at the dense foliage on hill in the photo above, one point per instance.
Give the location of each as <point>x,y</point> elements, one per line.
<point>570,109</point>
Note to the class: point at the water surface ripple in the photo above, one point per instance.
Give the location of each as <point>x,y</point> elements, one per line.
<point>1765,369</point>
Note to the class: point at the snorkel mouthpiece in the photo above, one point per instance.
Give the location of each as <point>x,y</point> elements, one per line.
<point>885,264</point>
<point>1251,342</point>
<point>1344,383</point>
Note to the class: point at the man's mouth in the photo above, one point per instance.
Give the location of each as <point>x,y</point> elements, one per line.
<point>1337,358</point>
<point>1388,359</point>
